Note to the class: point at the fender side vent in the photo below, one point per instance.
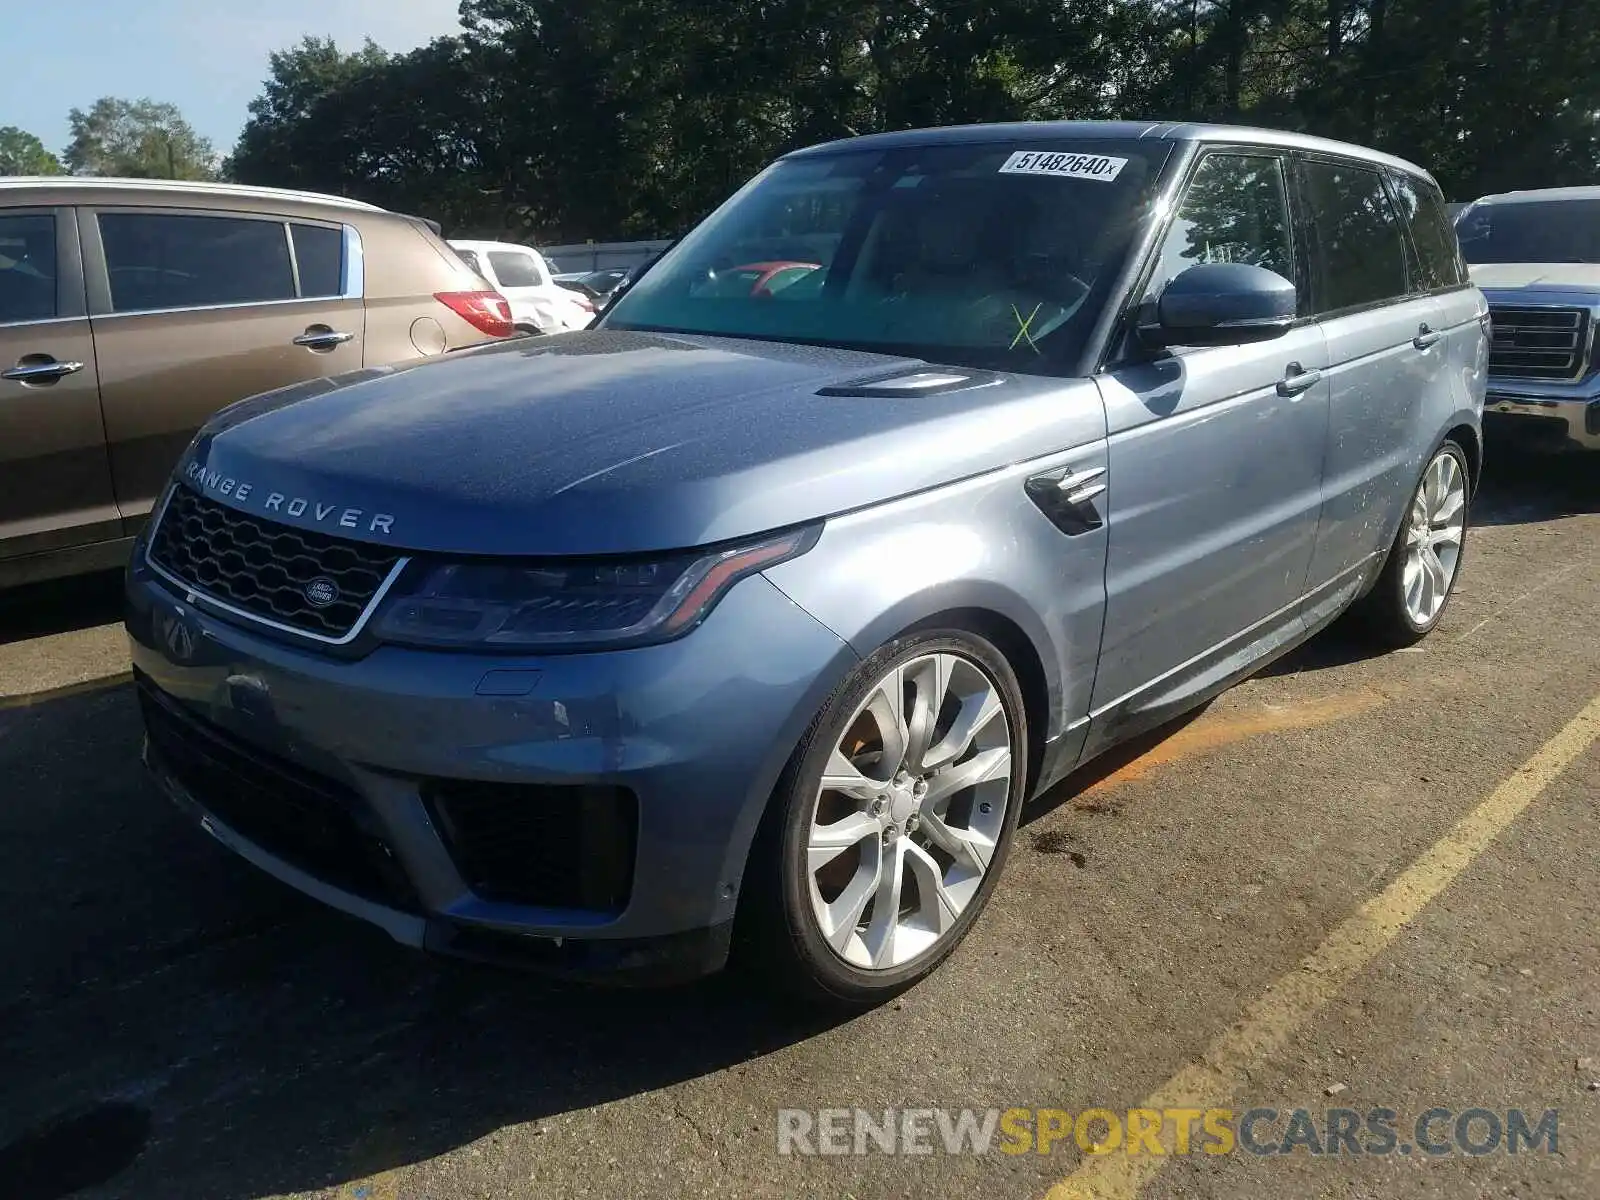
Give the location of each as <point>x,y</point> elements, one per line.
<point>1068,496</point>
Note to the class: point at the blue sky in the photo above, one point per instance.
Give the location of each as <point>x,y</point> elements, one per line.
<point>206,56</point>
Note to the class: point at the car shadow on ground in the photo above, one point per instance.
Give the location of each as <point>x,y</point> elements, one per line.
<point>60,606</point>
<point>1520,488</point>
<point>175,1023</point>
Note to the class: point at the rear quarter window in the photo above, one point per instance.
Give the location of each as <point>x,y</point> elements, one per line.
<point>1422,209</point>
<point>319,259</point>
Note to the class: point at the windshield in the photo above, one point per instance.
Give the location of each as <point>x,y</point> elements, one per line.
<point>1541,231</point>
<point>982,255</point>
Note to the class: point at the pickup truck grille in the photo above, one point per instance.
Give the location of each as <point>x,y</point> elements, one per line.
<point>1539,343</point>
<point>306,581</point>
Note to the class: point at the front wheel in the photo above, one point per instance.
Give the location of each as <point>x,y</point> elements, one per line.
<point>891,822</point>
<point>1409,599</point>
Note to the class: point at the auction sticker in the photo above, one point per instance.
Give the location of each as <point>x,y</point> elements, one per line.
<point>1066,166</point>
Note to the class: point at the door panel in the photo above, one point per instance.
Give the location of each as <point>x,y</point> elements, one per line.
<point>1442,271</point>
<point>1215,486</point>
<point>55,486</point>
<point>1215,458</point>
<point>1380,386</point>
<point>163,374</point>
<point>1388,354</point>
<point>193,310</point>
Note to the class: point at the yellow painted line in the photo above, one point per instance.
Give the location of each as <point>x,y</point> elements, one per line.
<point>1268,1023</point>
<point>1208,733</point>
<point>29,699</point>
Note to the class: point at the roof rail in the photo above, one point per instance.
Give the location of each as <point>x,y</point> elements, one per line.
<point>195,186</point>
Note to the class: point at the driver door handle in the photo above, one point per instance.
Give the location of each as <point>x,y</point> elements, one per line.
<point>1297,379</point>
<point>41,372</point>
<point>326,339</point>
<point>1425,338</point>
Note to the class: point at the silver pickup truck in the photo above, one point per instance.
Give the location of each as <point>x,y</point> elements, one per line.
<point>1536,256</point>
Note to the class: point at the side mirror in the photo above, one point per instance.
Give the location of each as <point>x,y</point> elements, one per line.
<point>1221,304</point>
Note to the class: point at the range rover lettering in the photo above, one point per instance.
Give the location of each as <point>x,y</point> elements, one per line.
<point>743,625</point>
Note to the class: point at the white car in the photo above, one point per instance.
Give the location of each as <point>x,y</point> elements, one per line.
<point>520,274</point>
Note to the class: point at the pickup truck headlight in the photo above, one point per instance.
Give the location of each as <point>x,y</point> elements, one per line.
<point>573,604</point>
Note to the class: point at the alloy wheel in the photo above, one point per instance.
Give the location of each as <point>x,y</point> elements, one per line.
<point>1437,525</point>
<point>909,811</point>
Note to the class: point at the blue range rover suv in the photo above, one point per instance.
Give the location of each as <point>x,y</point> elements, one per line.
<point>749,621</point>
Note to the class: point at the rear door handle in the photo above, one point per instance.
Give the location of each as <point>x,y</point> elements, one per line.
<point>1298,380</point>
<point>1425,338</point>
<point>41,372</point>
<point>325,340</point>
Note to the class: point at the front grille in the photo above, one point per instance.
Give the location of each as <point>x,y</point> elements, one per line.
<point>266,569</point>
<point>307,820</point>
<point>557,846</point>
<point>1538,343</point>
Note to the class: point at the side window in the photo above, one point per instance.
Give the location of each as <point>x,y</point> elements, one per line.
<point>1236,210</point>
<point>1438,253</point>
<point>156,260</point>
<point>470,257</point>
<point>1361,246</point>
<point>319,259</point>
<point>515,270</point>
<point>27,267</point>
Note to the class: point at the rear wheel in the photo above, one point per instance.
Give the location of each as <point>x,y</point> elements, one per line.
<point>891,823</point>
<point>1410,596</point>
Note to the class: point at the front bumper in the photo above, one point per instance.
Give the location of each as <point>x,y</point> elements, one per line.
<point>1547,421</point>
<point>695,731</point>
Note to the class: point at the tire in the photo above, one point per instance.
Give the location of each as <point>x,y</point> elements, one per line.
<point>1392,614</point>
<point>905,824</point>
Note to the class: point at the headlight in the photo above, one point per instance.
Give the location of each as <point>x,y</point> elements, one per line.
<point>575,604</point>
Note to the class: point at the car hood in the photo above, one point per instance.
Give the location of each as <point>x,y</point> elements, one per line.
<point>1582,277</point>
<point>606,441</point>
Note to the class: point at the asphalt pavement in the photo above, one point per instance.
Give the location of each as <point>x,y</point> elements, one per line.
<point>1353,883</point>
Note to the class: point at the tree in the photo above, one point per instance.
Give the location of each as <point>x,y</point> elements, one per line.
<point>23,154</point>
<point>414,132</point>
<point>140,139</point>
<point>550,120</point>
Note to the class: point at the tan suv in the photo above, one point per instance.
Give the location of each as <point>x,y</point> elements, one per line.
<point>131,310</point>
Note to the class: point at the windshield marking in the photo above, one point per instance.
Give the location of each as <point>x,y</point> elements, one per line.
<point>1022,327</point>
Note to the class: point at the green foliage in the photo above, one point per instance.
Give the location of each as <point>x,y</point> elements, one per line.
<point>23,154</point>
<point>631,118</point>
<point>139,139</point>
